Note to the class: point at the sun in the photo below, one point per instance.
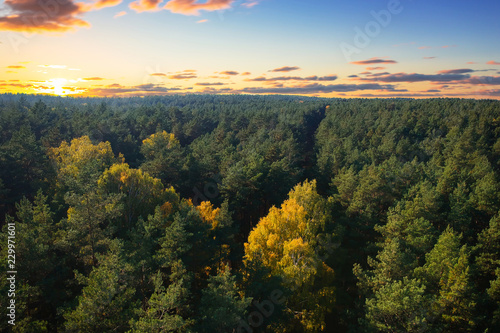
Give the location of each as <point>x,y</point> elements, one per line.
<point>57,85</point>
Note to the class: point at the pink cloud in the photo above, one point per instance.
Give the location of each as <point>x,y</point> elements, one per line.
<point>456,71</point>
<point>191,7</point>
<point>145,5</point>
<point>182,76</point>
<point>491,62</point>
<point>105,3</point>
<point>122,13</point>
<point>250,4</point>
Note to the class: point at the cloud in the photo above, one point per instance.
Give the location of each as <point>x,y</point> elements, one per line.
<point>182,76</point>
<point>285,69</point>
<point>447,46</point>
<point>293,78</point>
<point>491,62</point>
<point>229,73</point>
<point>210,84</point>
<point>122,13</point>
<point>16,67</point>
<point>424,47</point>
<point>296,78</point>
<point>429,57</point>
<point>374,68</point>
<point>315,88</point>
<point>398,95</point>
<point>93,78</point>
<point>332,77</point>
<point>53,66</point>
<point>376,74</point>
<point>246,73</point>
<point>456,71</point>
<point>493,92</point>
<point>261,78</point>
<point>202,21</point>
<point>105,3</point>
<point>374,61</point>
<point>304,89</point>
<point>116,89</point>
<point>250,4</point>
<point>483,80</point>
<point>210,90</point>
<point>145,5</point>
<point>191,7</point>
<point>415,77</point>
<point>16,85</point>
<point>158,74</point>
<point>471,62</point>
<point>34,16</point>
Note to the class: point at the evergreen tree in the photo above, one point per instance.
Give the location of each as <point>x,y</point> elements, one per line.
<point>221,305</point>
<point>164,308</point>
<point>106,301</point>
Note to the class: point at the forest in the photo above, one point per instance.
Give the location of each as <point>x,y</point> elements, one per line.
<point>241,213</point>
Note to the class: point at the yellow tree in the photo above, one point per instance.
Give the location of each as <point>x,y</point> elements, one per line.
<point>164,158</point>
<point>141,192</point>
<point>80,163</point>
<point>208,213</point>
<point>221,234</point>
<point>286,242</point>
<point>158,141</point>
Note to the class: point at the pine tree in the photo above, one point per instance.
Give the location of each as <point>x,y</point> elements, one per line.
<point>106,301</point>
<point>399,306</point>
<point>163,309</point>
<point>36,265</point>
<point>221,305</point>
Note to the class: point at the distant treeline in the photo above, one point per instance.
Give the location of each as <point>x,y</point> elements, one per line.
<point>207,213</point>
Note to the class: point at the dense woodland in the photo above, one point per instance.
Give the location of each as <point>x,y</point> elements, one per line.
<point>205,213</point>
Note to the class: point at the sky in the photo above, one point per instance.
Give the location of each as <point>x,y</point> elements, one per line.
<point>325,48</point>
